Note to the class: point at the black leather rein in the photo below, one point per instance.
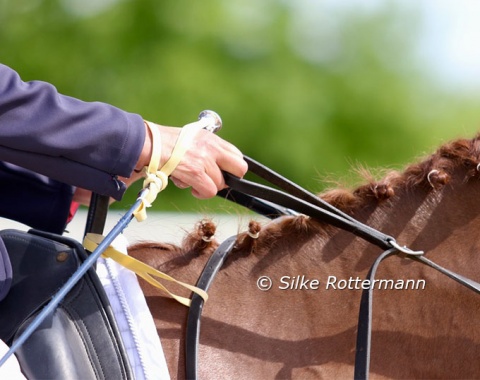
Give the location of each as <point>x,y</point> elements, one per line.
<point>290,199</point>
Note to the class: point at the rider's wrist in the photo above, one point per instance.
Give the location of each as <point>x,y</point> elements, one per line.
<point>146,152</point>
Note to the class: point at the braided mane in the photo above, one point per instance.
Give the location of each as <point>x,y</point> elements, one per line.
<point>432,174</point>
<point>306,324</point>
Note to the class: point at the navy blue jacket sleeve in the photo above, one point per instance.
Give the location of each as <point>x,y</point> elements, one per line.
<point>79,143</point>
<point>32,199</point>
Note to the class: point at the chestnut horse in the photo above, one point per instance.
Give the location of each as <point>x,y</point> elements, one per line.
<point>424,324</point>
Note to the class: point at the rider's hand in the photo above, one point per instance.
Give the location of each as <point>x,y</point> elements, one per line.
<point>201,166</point>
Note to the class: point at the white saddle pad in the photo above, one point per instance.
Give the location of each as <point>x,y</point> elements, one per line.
<point>133,317</point>
<point>11,369</point>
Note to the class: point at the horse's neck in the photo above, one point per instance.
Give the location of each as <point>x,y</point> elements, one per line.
<point>442,222</point>
<point>439,221</point>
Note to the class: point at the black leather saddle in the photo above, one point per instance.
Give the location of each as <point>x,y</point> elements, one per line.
<point>80,339</point>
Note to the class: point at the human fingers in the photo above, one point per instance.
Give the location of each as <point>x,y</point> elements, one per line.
<point>202,174</point>
<point>180,184</point>
<point>235,165</point>
<point>202,164</point>
<point>211,155</point>
<point>230,159</point>
<point>206,189</point>
<point>226,155</point>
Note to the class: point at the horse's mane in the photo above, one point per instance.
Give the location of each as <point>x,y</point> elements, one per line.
<point>431,173</point>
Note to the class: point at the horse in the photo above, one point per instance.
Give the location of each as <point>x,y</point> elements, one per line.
<point>285,304</point>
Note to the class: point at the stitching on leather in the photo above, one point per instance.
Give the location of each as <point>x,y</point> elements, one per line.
<point>32,242</point>
<point>107,322</point>
<point>78,320</point>
<point>75,318</point>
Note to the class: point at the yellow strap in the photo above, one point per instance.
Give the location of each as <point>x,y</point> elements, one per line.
<point>157,180</point>
<point>143,270</point>
<point>184,141</point>
<point>156,147</point>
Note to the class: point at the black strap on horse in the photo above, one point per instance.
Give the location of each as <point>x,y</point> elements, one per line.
<point>291,199</point>
<point>364,329</point>
<point>270,202</point>
<point>300,200</point>
<point>195,312</point>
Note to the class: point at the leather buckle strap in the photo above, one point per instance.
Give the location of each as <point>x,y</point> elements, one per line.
<point>470,284</point>
<point>270,205</point>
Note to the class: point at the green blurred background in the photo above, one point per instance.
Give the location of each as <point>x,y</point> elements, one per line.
<point>309,88</point>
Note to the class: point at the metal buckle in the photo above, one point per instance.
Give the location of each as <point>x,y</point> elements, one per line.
<point>405,249</point>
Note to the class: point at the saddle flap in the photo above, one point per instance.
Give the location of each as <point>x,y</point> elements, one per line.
<point>40,266</point>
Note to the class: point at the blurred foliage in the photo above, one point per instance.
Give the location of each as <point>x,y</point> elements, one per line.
<point>308,90</point>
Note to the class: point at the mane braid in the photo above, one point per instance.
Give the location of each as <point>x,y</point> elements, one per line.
<point>433,173</point>
<point>201,240</point>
